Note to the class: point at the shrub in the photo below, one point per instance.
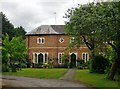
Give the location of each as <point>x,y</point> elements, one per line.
<point>5,68</point>
<point>45,65</point>
<point>62,65</point>
<point>80,64</point>
<point>28,62</point>
<point>51,63</point>
<point>99,64</point>
<point>23,65</point>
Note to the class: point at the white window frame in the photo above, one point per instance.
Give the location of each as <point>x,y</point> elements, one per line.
<point>61,41</point>
<point>46,59</point>
<point>41,40</point>
<point>60,61</point>
<point>86,57</point>
<point>35,58</point>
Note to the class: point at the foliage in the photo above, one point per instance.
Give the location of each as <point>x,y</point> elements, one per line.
<point>45,65</point>
<point>8,27</point>
<point>5,54</point>
<point>65,57</point>
<point>80,64</point>
<point>14,51</point>
<point>28,62</point>
<point>82,25</point>
<point>99,64</point>
<point>51,63</point>
<point>5,67</point>
<point>98,24</point>
<point>110,54</point>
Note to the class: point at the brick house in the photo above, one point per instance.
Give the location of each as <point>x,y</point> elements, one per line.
<point>49,42</point>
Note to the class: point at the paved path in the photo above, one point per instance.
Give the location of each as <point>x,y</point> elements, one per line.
<point>70,75</point>
<point>15,81</point>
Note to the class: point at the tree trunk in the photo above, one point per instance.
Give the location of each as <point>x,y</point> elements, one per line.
<point>114,67</point>
<point>112,71</point>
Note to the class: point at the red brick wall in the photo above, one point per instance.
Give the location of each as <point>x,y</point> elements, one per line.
<point>52,46</point>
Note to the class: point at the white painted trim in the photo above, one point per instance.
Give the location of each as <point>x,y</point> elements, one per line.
<point>59,57</point>
<point>33,57</point>
<point>60,40</point>
<point>85,56</point>
<point>37,57</point>
<point>43,53</point>
<point>41,38</point>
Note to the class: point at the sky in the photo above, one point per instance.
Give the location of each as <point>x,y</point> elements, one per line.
<point>32,13</point>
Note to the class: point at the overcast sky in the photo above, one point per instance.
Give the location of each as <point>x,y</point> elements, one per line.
<point>33,13</point>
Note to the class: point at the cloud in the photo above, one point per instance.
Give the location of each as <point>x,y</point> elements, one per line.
<point>33,13</point>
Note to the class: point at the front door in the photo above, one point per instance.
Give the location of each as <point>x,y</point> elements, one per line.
<point>40,59</point>
<point>73,60</point>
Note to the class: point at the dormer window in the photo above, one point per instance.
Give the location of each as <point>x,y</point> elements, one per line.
<point>40,40</point>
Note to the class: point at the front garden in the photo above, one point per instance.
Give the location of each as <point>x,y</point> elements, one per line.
<point>94,79</point>
<point>39,72</point>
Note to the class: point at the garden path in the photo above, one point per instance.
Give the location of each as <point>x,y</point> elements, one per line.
<point>70,75</point>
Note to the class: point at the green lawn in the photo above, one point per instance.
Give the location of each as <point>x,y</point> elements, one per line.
<point>39,73</point>
<point>96,80</point>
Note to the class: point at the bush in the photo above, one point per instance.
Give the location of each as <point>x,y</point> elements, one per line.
<point>28,62</point>
<point>5,68</point>
<point>45,65</point>
<point>99,64</point>
<point>62,66</point>
<point>80,64</point>
<point>118,73</point>
<point>23,65</point>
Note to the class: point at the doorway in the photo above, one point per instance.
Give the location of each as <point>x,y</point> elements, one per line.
<point>73,60</point>
<point>40,59</point>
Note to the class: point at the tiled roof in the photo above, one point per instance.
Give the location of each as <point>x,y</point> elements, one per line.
<point>48,29</point>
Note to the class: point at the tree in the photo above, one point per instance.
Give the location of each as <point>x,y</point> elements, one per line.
<point>8,27</point>
<point>97,24</point>
<point>6,55</point>
<point>111,31</point>
<point>14,51</point>
<point>82,24</point>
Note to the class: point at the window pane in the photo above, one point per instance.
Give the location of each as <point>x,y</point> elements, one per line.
<point>35,58</point>
<point>60,58</point>
<point>42,40</point>
<point>83,56</point>
<point>39,40</point>
<point>45,58</point>
<point>86,57</point>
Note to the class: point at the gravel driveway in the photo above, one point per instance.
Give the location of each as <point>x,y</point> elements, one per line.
<point>15,81</point>
<point>65,81</point>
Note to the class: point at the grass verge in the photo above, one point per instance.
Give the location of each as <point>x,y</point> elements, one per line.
<point>39,73</point>
<point>96,80</point>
